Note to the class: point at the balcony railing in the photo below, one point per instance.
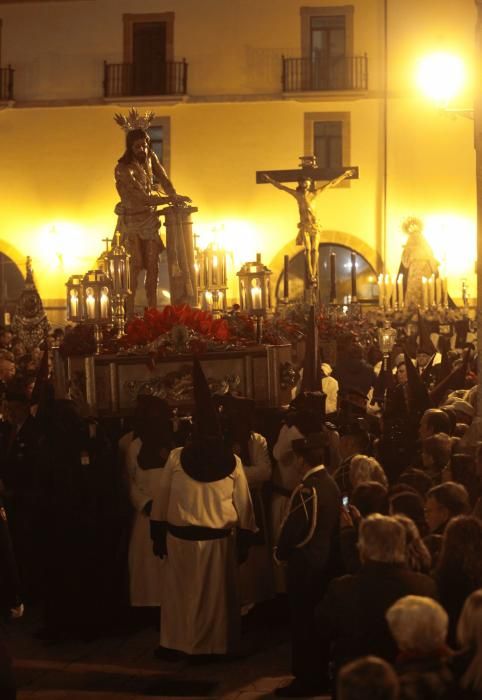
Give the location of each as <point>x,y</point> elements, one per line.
<point>129,79</point>
<point>307,74</point>
<point>6,83</point>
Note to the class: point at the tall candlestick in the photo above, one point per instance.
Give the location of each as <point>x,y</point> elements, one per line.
<point>286,289</point>
<point>215,269</point>
<point>332,278</point>
<point>353,276</point>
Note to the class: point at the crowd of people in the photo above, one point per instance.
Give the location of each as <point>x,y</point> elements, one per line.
<point>363,521</point>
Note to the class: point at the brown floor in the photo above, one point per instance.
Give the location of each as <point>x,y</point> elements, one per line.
<point>122,667</point>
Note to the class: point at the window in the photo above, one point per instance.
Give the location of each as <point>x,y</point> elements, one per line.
<point>327,136</point>
<point>327,144</point>
<point>159,133</point>
<point>148,48</point>
<point>327,48</point>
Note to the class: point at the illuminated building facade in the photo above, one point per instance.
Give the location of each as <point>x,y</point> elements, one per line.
<point>238,86</point>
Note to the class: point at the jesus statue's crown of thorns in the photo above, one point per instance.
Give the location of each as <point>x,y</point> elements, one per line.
<point>134,120</point>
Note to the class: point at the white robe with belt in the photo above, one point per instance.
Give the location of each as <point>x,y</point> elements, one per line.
<point>145,569</point>
<point>200,607</point>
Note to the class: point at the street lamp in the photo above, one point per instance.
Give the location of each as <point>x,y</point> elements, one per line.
<point>453,77</point>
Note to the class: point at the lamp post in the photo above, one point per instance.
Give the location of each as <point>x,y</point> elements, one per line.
<point>474,433</point>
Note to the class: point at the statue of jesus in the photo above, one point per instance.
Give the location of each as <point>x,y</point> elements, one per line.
<point>309,229</point>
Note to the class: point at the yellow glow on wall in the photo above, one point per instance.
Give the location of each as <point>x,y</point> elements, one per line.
<point>453,240</point>
<point>61,247</point>
<point>441,76</point>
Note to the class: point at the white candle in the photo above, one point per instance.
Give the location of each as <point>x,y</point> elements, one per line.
<point>90,305</point>
<point>424,292</point>
<point>256,297</point>
<point>74,303</point>
<point>438,292</point>
<point>104,306</point>
<point>381,291</point>
<point>208,298</point>
<point>445,292</point>
<point>215,269</point>
<point>388,291</point>
<point>400,291</point>
<point>431,290</point>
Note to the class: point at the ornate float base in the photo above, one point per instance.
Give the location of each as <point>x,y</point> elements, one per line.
<point>110,383</point>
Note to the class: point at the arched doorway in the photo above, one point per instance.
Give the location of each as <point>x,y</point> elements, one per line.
<point>12,284</point>
<point>367,283</point>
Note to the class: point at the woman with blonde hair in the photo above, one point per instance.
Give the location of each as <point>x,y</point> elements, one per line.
<point>363,468</point>
<point>468,665</point>
<point>417,556</point>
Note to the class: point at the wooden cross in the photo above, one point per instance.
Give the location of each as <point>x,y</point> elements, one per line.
<point>309,228</point>
<point>308,170</point>
<point>107,242</point>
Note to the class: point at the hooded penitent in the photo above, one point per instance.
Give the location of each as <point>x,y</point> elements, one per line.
<point>207,457</point>
<point>417,392</point>
<point>424,343</point>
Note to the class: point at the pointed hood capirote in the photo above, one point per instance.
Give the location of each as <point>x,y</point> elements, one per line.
<point>424,343</point>
<point>418,396</point>
<point>207,457</point>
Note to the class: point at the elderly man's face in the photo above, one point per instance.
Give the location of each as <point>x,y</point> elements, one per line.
<point>7,370</point>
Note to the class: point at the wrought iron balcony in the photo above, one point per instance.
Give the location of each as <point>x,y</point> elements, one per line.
<point>308,74</point>
<point>130,79</point>
<point>6,83</point>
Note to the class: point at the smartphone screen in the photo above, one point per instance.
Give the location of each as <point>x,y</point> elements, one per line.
<point>345,501</point>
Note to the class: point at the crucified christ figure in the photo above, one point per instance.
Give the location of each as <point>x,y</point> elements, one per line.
<point>309,228</point>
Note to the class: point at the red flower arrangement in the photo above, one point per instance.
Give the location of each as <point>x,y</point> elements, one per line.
<point>155,323</point>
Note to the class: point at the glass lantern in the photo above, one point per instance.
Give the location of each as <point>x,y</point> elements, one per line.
<point>97,297</point>
<point>118,267</point>
<point>74,298</point>
<point>387,337</point>
<point>255,287</point>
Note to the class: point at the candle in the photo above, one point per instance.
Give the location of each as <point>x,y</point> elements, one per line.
<point>256,298</point>
<point>208,300</point>
<point>353,275</point>
<point>424,292</point>
<point>431,290</point>
<point>388,291</point>
<point>394,291</point>
<point>215,269</point>
<point>381,291</point>
<point>197,272</point>
<point>400,291</point>
<point>74,303</point>
<point>104,305</point>
<point>445,294</point>
<point>332,277</point>
<point>90,305</point>
<point>438,292</point>
<point>286,290</point>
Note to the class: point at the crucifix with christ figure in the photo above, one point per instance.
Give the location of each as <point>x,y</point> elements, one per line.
<point>309,229</point>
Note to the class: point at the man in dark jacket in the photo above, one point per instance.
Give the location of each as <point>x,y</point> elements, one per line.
<point>351,616</point>
<point>308,542</point>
